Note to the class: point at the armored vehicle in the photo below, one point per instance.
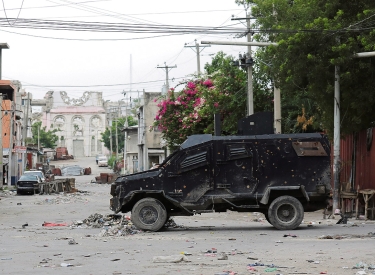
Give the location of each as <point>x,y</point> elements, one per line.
<point>279,175</point>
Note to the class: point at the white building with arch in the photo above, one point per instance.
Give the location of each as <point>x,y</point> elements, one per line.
<point>80,121</point>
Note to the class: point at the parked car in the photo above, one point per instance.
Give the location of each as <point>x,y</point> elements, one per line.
<point>28,184</point>
<point>97,157</point>
<point>103,161</point>
<point>36,173</point>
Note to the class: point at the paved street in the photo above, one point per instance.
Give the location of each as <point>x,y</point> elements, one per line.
<point>317,246</point>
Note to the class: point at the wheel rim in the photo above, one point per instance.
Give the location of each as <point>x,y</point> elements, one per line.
<point>148,215</point>
<point>286,213</point>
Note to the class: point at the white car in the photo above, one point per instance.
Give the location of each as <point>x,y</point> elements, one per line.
<point>35,173</point>
<point>103,161</point>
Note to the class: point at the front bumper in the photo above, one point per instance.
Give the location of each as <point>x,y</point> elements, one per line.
<point>27,189</point>
<point>114,204</point>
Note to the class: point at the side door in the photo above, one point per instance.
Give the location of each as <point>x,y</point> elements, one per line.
<point>234,170</point>
<point>193,173</point>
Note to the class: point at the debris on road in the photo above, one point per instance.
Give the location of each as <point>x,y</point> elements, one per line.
<point>346,236</point>
<point>72,241</point>
<point>65,264</point>
<point>223,256</point>
<point>51,224</point>
<point>170,259</point>
<point>290,235</point>
<point>112,224</point>
<point>79,197</point>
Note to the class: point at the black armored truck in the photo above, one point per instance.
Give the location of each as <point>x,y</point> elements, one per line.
<point>279,175</point>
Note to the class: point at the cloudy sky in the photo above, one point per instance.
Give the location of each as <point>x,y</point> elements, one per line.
<point>44,57</point>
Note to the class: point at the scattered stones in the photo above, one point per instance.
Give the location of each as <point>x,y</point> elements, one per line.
<point>223,256</point>
<point>72,241</point>
<point>346,236</point>
<point>64,198</point>
<point>170,259</point>
<point>113,224</point>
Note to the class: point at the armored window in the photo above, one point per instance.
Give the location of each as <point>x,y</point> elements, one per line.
<point>309,148</point>
<point>194,159</point>
<point>237,151</point>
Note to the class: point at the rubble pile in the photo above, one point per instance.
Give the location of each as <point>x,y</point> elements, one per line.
<point>114,224</point>
<point>7,193</point>
<point>64,198</point>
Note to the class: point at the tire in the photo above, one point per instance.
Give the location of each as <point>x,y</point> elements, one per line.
<point>285,213</point>
<point>149,214</point>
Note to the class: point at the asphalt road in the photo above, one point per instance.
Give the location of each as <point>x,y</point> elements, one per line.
<point>317,246</point>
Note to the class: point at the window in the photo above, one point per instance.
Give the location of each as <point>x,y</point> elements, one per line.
<point>194,159</point>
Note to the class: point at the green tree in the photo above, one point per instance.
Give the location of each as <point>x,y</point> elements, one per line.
<point>47,139</point>
<point>121,135</point>
<point>313,37</point>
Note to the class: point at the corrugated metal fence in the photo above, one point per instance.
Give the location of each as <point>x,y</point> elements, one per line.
<point>358,161</point>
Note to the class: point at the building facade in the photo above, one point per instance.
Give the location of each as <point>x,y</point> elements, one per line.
<point>79,121</point>
<point>14,130</point>
<point>150,145</point>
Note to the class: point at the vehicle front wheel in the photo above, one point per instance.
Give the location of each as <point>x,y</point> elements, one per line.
<point>285,213</point>
<point>267,218</point>
<point>149,214</point>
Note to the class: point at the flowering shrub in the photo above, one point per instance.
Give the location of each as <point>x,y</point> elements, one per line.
<point>191,110</point>
<point>180,114</point>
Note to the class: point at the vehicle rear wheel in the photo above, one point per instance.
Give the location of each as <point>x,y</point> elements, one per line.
<point>149,214</point>
<point>285,213</point>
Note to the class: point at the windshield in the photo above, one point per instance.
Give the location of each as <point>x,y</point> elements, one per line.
<point>169,158</point>
<point>29,178</point>
<point>34,173</point>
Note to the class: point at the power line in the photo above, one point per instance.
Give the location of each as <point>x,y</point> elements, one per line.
<point>114,27</point>
<point>152,13</point>
<point>54,6</point>
<point>19,12</point>
<point>97,40</point>
<point>99,85</point>
<point>103,12</point>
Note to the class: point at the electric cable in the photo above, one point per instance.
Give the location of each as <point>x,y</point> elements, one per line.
<point>19,12</point>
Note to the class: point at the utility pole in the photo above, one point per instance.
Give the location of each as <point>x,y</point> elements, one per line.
<point>197,51</point>
<point>336,141</point>
<point>1,142</point>
<point>110,135</point>
<point>24,132</point>
<point>2,46</point>
<point>10,167</point>
<point>117,134</point>
<point>38,137</point>
<point>167,69</point>
<point>277,107</point>
<point>250,93</point>
<point>125,138</point>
